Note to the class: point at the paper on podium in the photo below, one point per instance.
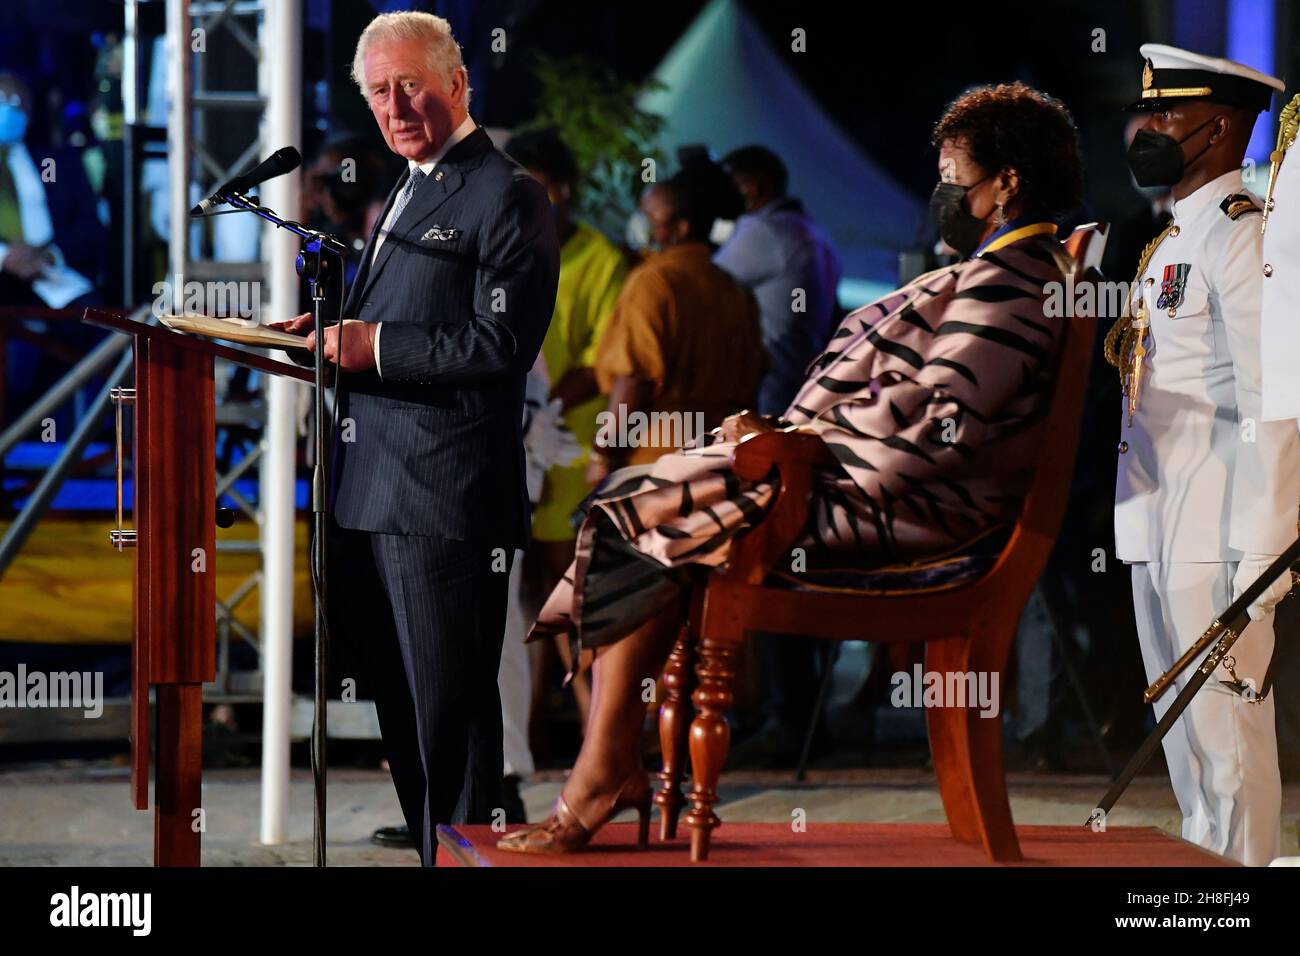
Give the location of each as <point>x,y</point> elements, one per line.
<point>234,330</point>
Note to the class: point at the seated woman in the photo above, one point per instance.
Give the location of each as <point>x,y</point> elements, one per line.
<point>915,398</point>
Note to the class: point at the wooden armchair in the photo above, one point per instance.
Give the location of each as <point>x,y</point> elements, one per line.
<point>968,627</point>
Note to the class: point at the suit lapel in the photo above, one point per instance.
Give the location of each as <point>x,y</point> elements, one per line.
<point>446,179</point>
<point>363,270</point>
<point>429,195</point>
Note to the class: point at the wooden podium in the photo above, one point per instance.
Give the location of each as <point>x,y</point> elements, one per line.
<point>173,648</point>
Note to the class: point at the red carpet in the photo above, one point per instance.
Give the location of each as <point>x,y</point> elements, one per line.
<point>839,844</point>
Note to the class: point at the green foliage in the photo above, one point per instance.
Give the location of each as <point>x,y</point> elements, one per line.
<point>596,114</point>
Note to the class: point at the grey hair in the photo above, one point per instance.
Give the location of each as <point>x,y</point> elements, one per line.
<point>443,51</point>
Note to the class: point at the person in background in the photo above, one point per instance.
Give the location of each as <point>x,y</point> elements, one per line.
<point>1129,235</point>
<point>781,255</point>
<point>51,239</point>
<point>790,265</point>
<point>684,349</point>
<point>52,248</point>
<point>342,192</point>
<point>592,272</point>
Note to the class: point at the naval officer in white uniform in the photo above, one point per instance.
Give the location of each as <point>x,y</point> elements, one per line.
<point>1207,492</point>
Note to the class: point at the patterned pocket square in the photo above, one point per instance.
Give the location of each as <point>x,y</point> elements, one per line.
<point>441,234</point>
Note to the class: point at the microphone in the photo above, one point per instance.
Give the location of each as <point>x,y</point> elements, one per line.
<point>277,164</point>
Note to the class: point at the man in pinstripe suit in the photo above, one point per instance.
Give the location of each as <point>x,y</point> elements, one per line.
<point>445,317</point>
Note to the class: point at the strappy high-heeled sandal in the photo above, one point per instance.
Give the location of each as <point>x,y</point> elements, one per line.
<point>564,832</point>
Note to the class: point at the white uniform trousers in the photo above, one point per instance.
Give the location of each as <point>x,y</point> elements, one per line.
<point>515,682</point>
<point>1222,751</point>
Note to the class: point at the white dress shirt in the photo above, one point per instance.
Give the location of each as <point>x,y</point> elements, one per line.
<point>57,284</point>
<point>459,133</point>
<point>38,230</point>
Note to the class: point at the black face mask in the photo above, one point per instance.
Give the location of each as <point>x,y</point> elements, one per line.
<point>957,226</point>
<point>1156,159</point>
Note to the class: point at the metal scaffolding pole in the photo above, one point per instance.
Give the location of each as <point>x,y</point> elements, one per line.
<point>52,480</point>
<point>62,391</point>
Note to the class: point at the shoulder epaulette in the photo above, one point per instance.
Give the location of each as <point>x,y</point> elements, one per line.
<point>1238,205</point>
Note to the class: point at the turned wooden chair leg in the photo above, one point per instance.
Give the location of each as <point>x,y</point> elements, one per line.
<point>710,736</point>
<point>674,726</point>
<point>967,752</point>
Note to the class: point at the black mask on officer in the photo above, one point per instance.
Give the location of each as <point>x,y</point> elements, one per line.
<point>951,210</point>
<point>1156,159</point>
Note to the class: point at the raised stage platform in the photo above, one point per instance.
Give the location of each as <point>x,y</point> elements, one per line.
<point>840,844</point>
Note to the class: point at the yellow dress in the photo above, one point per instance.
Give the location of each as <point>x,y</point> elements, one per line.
<point>592,271</point>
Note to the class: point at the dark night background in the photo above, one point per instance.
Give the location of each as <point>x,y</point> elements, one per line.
<point>882,71</point>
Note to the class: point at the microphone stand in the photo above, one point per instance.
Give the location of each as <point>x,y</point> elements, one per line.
<point>315,267</point>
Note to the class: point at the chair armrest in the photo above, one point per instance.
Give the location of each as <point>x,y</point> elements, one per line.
<point>757,453</point>
<point>794,455</point>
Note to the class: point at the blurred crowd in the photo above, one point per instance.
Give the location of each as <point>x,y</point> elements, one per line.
<point>721,299</point>
<point>53,249</point>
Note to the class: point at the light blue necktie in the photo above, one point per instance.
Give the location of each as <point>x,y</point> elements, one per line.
<point>412,184</point>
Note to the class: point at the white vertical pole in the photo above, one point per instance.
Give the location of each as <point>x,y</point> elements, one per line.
<point>281,82</point>
<point>178,139</point>
<point>130,61</point>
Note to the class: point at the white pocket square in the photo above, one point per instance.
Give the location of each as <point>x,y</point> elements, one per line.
<point>440,233</point>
